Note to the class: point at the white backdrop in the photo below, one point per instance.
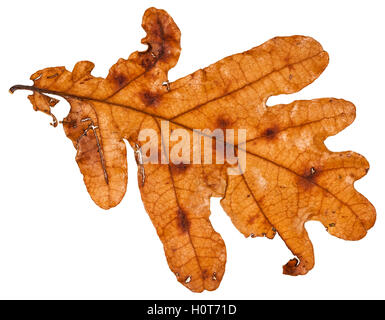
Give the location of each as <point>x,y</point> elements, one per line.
<point>56,243</point>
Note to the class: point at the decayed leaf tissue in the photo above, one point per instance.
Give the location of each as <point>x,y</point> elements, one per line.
<point>288,176</point>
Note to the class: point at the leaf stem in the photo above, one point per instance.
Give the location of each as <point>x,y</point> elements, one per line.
<point>36,89</point>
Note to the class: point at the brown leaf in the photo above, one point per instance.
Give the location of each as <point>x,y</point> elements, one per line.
<point>290,176</point>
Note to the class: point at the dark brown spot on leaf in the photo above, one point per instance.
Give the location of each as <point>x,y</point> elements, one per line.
<point>147,61</point>
<point>308,180</point>
<point>223,122</point>
<point>179,168</point>
<point>150,99</point>
<point>119,78</point>
<point>271,133</point>
<point>183,222</point>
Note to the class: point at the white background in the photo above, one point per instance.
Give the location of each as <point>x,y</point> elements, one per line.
<point>56,243</point>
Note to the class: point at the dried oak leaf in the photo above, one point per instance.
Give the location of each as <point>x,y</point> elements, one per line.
<point>290,177</point>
